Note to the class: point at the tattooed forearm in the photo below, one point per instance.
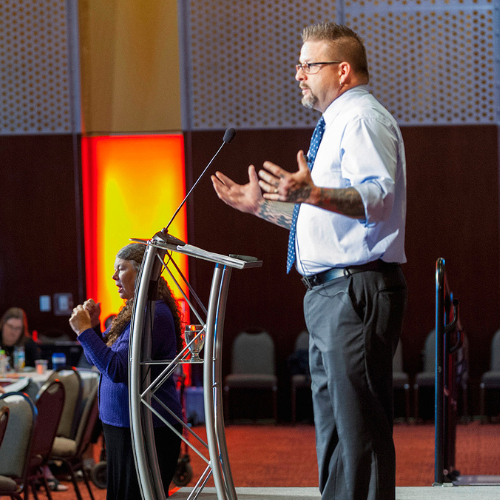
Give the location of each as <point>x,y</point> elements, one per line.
<point>276,212</point>
<point>346,201</point>
<point>300,194</point>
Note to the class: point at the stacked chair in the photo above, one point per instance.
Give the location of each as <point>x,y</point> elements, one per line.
<point>59,426</point>
<point>4,420</point>
<point>73,388</point>
<point>49,405</point>
<point>16,444</point>
<point>72,441</point>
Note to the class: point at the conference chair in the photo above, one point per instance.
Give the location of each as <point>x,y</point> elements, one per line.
<point>401,379</point>
<point>70,451</point>
<point>426,378</point>
<point>491,378</point>
<point>72,382</point>
<point>252,367</point>
<point>4,420</point>
<point>16,444</point>
<point>49,404</point>
<point>299,367</point>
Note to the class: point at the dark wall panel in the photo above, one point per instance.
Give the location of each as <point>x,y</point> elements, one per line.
<point>452,213</point>
<point>453,208</point>
<point>39,225</point>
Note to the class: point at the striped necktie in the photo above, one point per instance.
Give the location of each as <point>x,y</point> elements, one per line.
<point>311,156</point>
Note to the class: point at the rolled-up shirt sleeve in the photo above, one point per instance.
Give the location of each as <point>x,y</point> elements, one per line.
<point>369,149</point>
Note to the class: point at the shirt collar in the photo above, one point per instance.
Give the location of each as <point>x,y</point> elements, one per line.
<point>342,102</point>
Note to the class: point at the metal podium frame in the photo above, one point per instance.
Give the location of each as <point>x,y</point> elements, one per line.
<point>142,388</point>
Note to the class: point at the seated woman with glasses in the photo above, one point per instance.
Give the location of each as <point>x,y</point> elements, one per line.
<point>14,333</point>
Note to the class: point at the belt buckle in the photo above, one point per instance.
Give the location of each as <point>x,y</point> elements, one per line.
<point>309,281</point>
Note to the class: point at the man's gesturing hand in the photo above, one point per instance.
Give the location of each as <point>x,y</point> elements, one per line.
<point>243,197</point>
<point>280,185</point>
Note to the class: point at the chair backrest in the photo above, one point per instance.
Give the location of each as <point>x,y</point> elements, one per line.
<point>71,380</point>
<point>253,353</point>
<point>430,352</point>
<point>302,341</point>
<point>18,437</point>
<point>50,405</point>
<point>4,420</point>
<point>495,352</point>
<point>87,421</point>
<point>397,360</point>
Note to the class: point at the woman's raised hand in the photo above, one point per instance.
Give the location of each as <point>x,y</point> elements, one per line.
<point>94,310</point>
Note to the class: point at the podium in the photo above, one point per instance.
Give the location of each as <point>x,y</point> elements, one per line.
<point>141,386</point>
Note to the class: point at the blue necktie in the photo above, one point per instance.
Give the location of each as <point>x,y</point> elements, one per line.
<point>311,156</point>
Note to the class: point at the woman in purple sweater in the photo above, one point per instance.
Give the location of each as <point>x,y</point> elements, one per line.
<point>109,353</point>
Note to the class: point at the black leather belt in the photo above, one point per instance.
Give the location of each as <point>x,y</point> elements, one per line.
<point>343,272</point>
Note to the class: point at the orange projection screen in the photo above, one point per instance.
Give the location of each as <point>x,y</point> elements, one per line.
<point>132,186</point>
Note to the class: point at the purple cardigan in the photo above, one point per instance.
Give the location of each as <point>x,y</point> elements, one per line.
<point>112,362</point>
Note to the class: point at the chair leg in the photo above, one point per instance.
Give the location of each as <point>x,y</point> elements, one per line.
<point>27,490</point>
<point>275,404</point>
<point>415,401</point>
<point>46,486</point>
<point>482,414</point>
<point>294,404</point>
<point>87,483</point>
<point>33,489</point>
<point>407,403</point>
<point>73,480</point>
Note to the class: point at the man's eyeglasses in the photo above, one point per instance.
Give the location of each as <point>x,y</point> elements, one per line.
<point>313,68</point>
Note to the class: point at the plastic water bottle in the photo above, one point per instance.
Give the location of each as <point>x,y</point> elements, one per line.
<point>4,362</point>
<point>19,359</point>
<point>58,360</point>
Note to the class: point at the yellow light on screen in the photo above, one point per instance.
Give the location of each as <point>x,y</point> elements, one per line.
<point>132,186</point>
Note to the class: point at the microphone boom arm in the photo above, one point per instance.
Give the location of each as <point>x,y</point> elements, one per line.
<point>228,137</point>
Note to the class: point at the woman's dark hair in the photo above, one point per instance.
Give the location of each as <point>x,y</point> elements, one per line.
<point>134,253</point>
<point>17,313</point>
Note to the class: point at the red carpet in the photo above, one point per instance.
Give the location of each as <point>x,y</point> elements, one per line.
<point>285,456</point>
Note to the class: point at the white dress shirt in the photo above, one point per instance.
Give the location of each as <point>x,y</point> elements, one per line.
<point>362,147</point>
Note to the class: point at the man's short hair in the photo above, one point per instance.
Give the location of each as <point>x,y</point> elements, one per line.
<point>347,44</point>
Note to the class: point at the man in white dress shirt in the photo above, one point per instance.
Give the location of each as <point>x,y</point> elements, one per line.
<point>346,209</point>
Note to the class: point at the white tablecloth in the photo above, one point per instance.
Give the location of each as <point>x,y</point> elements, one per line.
<point>19,381</point>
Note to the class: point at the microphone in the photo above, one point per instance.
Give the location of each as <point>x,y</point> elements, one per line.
<point>163,234</point>
<point>228,137</point>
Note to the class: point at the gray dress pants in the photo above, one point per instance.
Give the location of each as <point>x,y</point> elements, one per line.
<point>354,324</point>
